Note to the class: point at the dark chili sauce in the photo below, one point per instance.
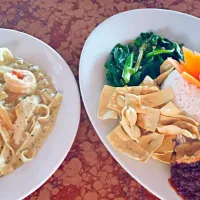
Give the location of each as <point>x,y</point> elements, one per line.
<point>185,179</point>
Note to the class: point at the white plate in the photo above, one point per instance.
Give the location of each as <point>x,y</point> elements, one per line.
<point>123,28</point>
<point>30,176</point>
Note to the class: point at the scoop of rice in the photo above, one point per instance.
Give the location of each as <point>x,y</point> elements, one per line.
<point>187,96</point>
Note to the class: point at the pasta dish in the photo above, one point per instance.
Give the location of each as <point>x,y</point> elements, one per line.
<point>29,104</point>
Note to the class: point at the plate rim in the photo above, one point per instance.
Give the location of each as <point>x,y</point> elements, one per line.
<point>81,87</point>
<point>77,93</point>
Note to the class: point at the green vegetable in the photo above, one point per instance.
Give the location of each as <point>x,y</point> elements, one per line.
<point>129,64</point>
<point>138,42</point>
<point>160,51</point>
<point>115,64</point>
<point>128,70</point>
<point>141,52</point>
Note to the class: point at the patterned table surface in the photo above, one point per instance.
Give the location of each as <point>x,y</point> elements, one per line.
<point>89,172</point>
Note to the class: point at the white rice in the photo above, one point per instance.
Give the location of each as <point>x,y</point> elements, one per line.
<point>187,96</point>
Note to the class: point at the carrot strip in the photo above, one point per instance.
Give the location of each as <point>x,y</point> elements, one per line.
<point>190,79</point>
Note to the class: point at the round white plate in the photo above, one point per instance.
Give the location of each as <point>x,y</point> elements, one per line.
<point>123,28</point>
<point>30,176</point>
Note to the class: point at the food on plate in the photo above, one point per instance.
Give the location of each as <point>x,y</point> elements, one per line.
<point>158,108</point>
<point>188,68</point>
<point>141,111</point>
<point>130,64</point>
<point>105,112</point>
<point>186,95</point>
<point>185,170</point>
<point>29,104</point>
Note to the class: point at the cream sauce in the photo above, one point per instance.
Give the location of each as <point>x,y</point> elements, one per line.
<point>47,95</point>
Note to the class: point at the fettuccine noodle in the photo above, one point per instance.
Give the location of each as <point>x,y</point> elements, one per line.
<point>29,104</point>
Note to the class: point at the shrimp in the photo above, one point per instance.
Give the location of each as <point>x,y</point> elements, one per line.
<point>20,81</point>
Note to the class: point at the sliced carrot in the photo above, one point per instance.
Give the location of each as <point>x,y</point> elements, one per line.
<point>197,62</point>
<point>191,62</point>
<point>188,56</point>
<point>190,67</point>
<point>197,54</point>
<point>190,79</point>
<point>192,73</point>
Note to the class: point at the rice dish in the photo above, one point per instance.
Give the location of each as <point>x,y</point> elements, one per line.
<point>187,96</point>
<point>157,110</point>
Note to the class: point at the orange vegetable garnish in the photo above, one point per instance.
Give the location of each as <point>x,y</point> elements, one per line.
<point>190,67</point>
<point>197,61</point>
<point>190,79</point>
<point>191,63</point>
<point>18,74</point>
<point>188,56</point>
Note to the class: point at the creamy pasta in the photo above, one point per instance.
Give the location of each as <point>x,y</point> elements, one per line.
<point>29,104</point>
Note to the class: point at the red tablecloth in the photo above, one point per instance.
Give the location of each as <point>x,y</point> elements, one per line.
<point>88,172</point>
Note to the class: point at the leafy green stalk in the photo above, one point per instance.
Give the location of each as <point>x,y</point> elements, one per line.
<point>128,70</point>
<point>158,52</point>
<point>140,56</point>
<point>178,50</point>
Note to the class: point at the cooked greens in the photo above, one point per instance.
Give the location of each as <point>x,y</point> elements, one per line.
<point>129,64</point>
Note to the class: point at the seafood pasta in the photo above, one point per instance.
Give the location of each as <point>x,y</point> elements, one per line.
<point>29,104</point>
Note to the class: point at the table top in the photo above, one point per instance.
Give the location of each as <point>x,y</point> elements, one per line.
<point>88,172</point>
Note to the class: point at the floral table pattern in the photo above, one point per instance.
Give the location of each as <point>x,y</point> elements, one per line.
<point>88,172</point>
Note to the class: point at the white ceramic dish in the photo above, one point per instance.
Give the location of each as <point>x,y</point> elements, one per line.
<point>123,28</point>
<point>30,176</point>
